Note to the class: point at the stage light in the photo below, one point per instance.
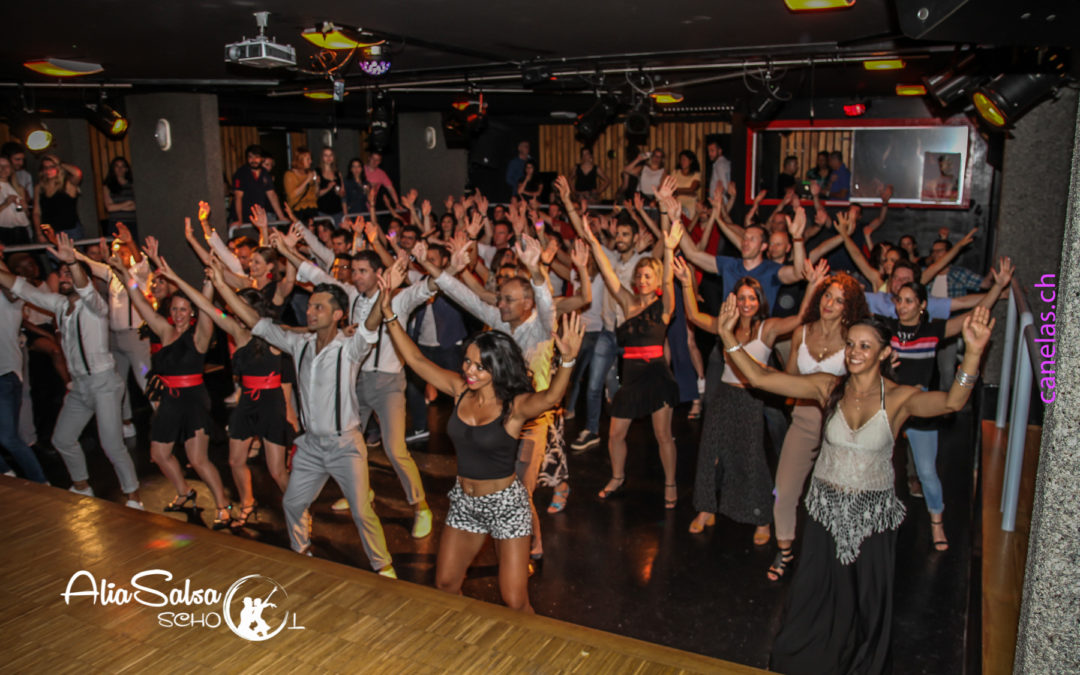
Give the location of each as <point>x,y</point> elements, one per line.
<point>1004,99</point>
<point>375,60</point>
<point>854,109</point>
<point>31,132</point>
<point>910,90</point>
<point>592,122</point>
<point>638,120</point>
<point>63,67</point>
<point>666,97</point>
<point>816,5</point>
<point>332,37</point>
<point>883,64</point>
<point>319,95</point>
<point>382,119</point>
<point>107,120</point>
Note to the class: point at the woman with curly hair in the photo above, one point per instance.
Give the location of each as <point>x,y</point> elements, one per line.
<point>817,348</point>
<point>494,398</point>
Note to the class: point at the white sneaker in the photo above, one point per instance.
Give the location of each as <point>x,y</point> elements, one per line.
<point>129,430</point>
<point>422,524</point>
<point>233,398</point>
<point>10,473</point>
<point>388,572</point>
<point>340,505</point>
<point>132,504</point>
<point>88,492</point>
<point>418,435</point>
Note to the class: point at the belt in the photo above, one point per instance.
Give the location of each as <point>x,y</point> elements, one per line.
<point>644,353</point>
<point>254,384</point>
<point>174,382</point>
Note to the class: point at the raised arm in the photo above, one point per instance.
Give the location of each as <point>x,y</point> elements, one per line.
<point>816,386</point>
<point>845,226</point>
<point>237,330</point>
<point>684,274</point>
<point>671,242</point>
<point>1002,275</point>
<point>157,323</point>
<point>776,327</point>
<point>568,343</point>
<point>243,311</point>
<point>873,225</point>
<point>933,270</point>
<point>623,296</point>
<point>790,274</point>
<point>583,298</point>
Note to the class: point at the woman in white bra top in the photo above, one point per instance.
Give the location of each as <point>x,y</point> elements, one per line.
<point>731,455</point>
<point>818,348</point>
<point>839,618</point>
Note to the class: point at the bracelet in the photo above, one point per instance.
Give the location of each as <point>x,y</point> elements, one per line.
<point>797,239</point>
<point>966,380</point>
<point>390,319</point>
<point>568,364</point>
<point>732,350</point>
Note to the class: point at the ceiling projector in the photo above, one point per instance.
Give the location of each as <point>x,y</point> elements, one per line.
<point>260,51</point>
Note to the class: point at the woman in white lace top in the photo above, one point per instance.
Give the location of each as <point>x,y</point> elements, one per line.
<point>839,618</point>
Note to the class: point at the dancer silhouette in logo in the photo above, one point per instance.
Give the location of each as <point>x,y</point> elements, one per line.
<point>252,614</point>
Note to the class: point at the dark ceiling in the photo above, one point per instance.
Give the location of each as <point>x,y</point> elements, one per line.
<point>439,44</point>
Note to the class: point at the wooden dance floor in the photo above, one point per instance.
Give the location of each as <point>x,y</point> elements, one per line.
<point>351,620</point>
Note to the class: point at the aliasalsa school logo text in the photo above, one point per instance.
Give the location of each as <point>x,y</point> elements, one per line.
<point>254,607</point>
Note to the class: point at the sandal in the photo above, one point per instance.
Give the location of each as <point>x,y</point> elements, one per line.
<point>558,500</point>
<point>249,512</point>
<point>940,544</point>
<point>180,502</point>
<point>607,492</point>
<point>670,503</point>
<point>695,410</point>
<point>778,568</point>
<point>222,523</point>
<point>698,524</point>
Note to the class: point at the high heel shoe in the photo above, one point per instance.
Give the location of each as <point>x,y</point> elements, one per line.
<point>249,512</point>
<point>698,524</point>
<point>180,502</point>
<point>670,503</point>
<point>222,523</point>
<point>558,501</point>
<point>607,492</point>
<point>941,543</point>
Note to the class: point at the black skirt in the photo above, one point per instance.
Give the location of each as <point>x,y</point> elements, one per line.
<point>646,387</point>
<point>263,417</point>
<point>180,414</point>
<point>839,617</point>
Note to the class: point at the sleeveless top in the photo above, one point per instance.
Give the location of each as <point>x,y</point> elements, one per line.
<point>484,452</point>
<point>758,350</point>
<point>126,193</point>
<point>59,210</point>
<point>649,180</point>
<point>248,360</point>
<point>851,493</point>
<point>832,364</point>
<point>644,329</point>
<point>331,201</point>
<point>584,182</point>
<point>180,357</point>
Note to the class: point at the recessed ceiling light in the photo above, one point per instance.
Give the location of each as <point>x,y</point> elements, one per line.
<point>814,5</point>
<point>883,64</point>
<point>910,90</point>
<point>319,95</point>
<point>63,67</point>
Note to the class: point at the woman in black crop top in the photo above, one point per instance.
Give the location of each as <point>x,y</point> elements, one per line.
<point>494,398</point>
<point>261,410</point>
<point>183,413</point>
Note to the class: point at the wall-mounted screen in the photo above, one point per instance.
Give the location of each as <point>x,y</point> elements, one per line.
<point>925,165</point>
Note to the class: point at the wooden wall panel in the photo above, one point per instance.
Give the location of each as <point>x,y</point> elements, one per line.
<point>233,142</point>
<point>103,150</point>
<point>559,150</point>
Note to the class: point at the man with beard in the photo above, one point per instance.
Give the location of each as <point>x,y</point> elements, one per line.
<point>253,185</point>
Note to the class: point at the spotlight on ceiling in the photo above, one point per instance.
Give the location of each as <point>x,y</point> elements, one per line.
<point>666,97</point>
<point>467,117</point>
<point>63,67</point>
<point>31,132</point>
<point>638,119</point>
<point>333,37</point>
<point>375,60</point>
<point>817,5</point>
<point>106,119</point>
<point>1004,99</point>
<point>910,90</point>
<point>762,107</point>
<point>382,121</point>
<point>592,122</point>
<point>956,84</point>
<point>319,95</point>
<point>883,64</point>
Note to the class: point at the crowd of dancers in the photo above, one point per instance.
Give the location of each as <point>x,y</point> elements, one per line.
<point>511,311</point>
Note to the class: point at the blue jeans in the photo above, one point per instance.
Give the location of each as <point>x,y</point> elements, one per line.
<point>585,354</point>
<point>605,354</point>
<point>924,445</point>
<point>10,402</point>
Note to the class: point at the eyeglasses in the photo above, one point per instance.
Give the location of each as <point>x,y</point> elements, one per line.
<point>506,299</point>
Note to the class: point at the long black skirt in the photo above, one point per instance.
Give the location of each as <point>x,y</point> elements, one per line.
<point>839,617</point>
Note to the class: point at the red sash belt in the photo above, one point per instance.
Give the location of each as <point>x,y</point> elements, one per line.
<point>254,384</point>
<point>644,353</point>
<point>174,382</point>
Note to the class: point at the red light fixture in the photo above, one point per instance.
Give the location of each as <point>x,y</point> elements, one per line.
<point>854,109</point>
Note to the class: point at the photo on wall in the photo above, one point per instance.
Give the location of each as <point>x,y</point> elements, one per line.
<point>940,177</point>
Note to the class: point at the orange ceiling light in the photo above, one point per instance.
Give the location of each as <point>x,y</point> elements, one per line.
<point>63,67</point>
<point>817,5</point>
<point>667,97</point>
<point>910,90</point>
<point>883,64</point>
<point>988,110</point>
<point>332,37</point>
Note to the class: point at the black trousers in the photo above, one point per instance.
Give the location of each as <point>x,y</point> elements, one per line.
<point>839,617</point>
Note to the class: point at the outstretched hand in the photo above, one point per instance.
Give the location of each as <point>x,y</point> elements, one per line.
<point>977,328</point>
<point>528,251</point>
<point>64,249</point>
<point>1003,273</point>
<point>258,216</point>
<point>569,338</point>
<point>816,274</point>
<point>674,235</point>
<point>150,248</point>
<point>666,187</point>
<point>797,225</point>
<point>579,255</point>
<point>681,270</point>
<point>562,186</point>
<point>729,316</point>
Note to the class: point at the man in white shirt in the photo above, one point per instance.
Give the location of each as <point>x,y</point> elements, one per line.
<point>380,385</point>
<point>95,389</point>
<point>720,174</point>
<point>331,446</point>
<point>11,389</point>
<point>128,349</point>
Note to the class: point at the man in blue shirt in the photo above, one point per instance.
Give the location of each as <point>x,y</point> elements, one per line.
<point>515,169</point>
<point>937,308</point>
<point>839,184</point>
